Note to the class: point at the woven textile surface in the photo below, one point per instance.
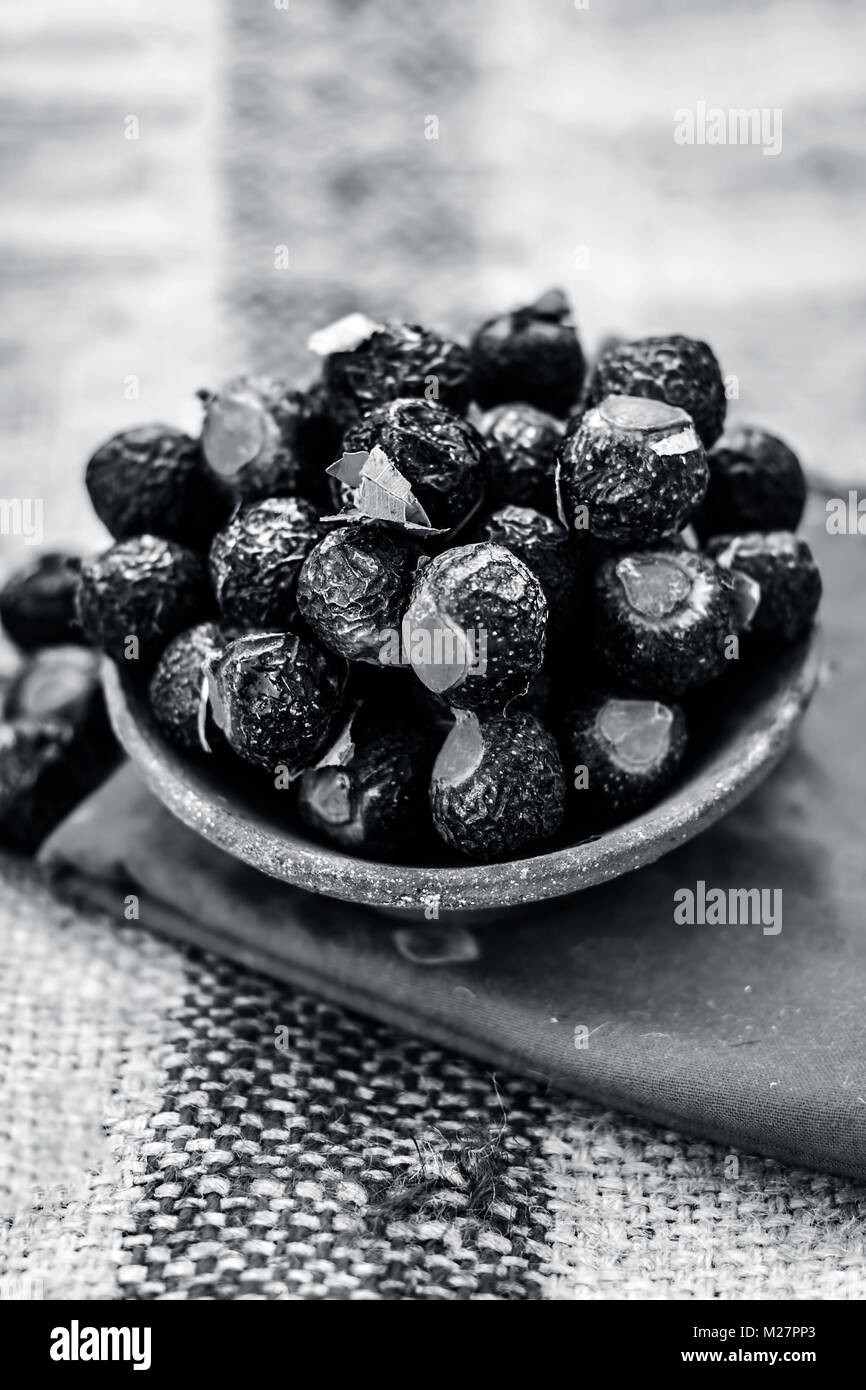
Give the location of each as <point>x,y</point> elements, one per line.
<point>174,1127</point>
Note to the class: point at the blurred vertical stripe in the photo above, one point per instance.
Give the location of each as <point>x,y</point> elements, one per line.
<point>556,163</point>
<point>328,157</point>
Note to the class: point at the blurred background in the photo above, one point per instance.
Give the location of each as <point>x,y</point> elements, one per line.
<point>159,162</point>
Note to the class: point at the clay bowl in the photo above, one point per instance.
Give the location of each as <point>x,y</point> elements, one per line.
<point>747,729</point>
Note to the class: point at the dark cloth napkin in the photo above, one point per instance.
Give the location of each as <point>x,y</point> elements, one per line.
<point>753,1038</point>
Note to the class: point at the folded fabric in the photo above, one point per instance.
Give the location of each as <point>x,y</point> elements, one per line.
<point>642,994</point>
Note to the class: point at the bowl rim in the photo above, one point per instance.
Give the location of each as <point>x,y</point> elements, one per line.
<point>725,776</point>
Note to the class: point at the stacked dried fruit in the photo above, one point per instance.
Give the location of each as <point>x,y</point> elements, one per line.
<point>55,741</point>
<point>450,591</point>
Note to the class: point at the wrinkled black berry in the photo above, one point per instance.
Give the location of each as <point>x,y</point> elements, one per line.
<point>543,546</point>
<point>277,698</point>
<point>782,566</point>
<point>531,354</point>
<point>369,794</point>
<point>497,786</point>
<point>61,685</point>
<point>354,588</point>
<point>396,360</point>
<point>37,603</point>
<point>256,558</point>
<point>261,439</point>
<point>756,484</point>
<point>475,628</point>
<point>176,685</point>
<point>146,588</point>
<point>633,471</point>
<point>45,770</point>
<point>442,457</point>
<point>663,617</point>
<point>522,441</point>
<point>620,755</point>
<point>681,371</point>
<point>152,480</point>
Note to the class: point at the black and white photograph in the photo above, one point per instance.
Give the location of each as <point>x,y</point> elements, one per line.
<point>432,664</point>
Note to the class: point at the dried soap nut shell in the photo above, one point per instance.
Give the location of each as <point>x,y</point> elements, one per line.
<point>475,627</point>
<point>678,370</point>
<point>498,786</point>
<point>781,566</point>
<point>138,594</point>
<point>354,587</point>
<point>532,355</point>
<point>756,484</point>
<point>255,561</point>
<point>622,753</point>
<point>663,619</point>
<point>632,472</point>
<point>277,698</point>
